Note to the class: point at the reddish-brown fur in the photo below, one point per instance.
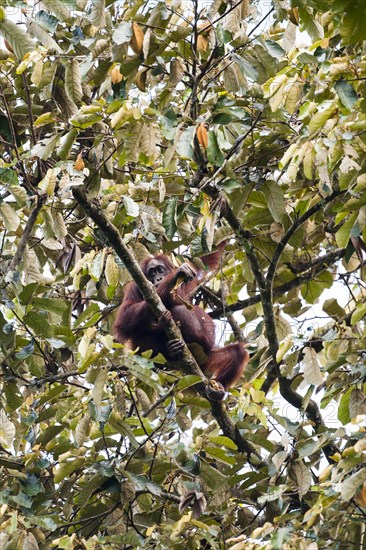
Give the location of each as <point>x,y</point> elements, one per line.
<point>136,324</point>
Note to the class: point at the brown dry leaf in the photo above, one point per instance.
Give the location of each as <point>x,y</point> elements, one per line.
<point>8,46</point>
<point>176,71</point>
<point>312,372</point>
<point>194,499</point>
<point>361,496</point>
<point>143,399</point>
<point>79,163</point>
<point>202,135</point>
<point>245,9</point>
<point>116,75</point>
<point>137,40</point>
<point>276,232</point>
<point>357,403</point>
<point>141,80</point>
<point>203,37</point>
<point>293,15</point>
<point>202,43</point>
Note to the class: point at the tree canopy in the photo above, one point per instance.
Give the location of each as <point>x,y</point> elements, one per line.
<point>131,128</point>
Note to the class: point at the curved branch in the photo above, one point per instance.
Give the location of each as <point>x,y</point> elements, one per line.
<point>93,209</point>
<point>266,297</point>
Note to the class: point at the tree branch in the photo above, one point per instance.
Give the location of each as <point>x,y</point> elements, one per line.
<point>93,209</point>
<point>40,200</point>
<point>310,271</point>
<point>266,297</point>
<point>294,227</point>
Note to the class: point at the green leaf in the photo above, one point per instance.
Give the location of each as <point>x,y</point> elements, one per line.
<point>36,31</point>
<point>66,143</point>
<point>220,454</point>
<point>247,68</point>
<point>39,324</point>
<point>99,383</point>
<point>344,233</point>
<point>307,58</point>
<point>309,23</point>
<point>17,38</point>
<point>44,148</point>
<point>184,145</point>
<point>23,501</point>
<point>88,312</point>
<point>67,468</point>
<point>142,369</point>
<point>49,434</point>
<point>274,199</point>
<point>97,265</point>
<point>9,216</point>
<point>350,484</point>
<point>358,314</point>
<point>353,25</point>
<point>224,441</point>
<point>221,118</point>
<point>112,271</point>
<point>97,15</point>
<point>187,382</point>
<point>73,81</point>
<point>346,93</point>
<point>31,486</point>
<point>343,409</point>
<point>332,308</point>
<point>48,21</point>
<point>275,49</point>
<point>5,133</point>
<point>26,351</point>
<point>8,176</point>
<point>312,290</point>
<point>213,477</point>
<point>130,64</point>
<point>320,118</point>
<point>169,217</point>
<point>214,155</point>
<point>14,398</point>
<point>59,8</point>
<point>85,121</point>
